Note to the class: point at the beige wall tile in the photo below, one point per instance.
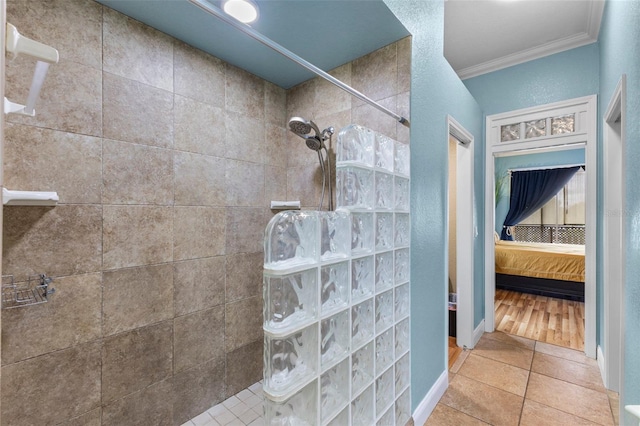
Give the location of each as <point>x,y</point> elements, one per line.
<point>198,338</point>
<point>370,117</point>
<point>134,360</point>
<point>199,180</point>
<point>136,297</point>
<point>275,184</point>
<point>244,93</point>
<point>275,104</point>
<point>198,284</point>
<point>276,145</point>
<point>199,127</point>
<point>302,182</point>
<point>245,184</point>
<point>298,152</point>
<point>403,133</point>
<point>244,276</point>
<point>72,316</point>
<point>67,22</point>
<point>146,407</point>
<point>136,51</point>
<point>63,240</point>
<point>245,230</point>
<point>135,112</point>
<point>198,75</point>
<point>136,235</point>
<point>245,139</point>
<point>65,384</point>
<point>329,98</point>
<point>137,174</point>
<point>197,390</point>
<point>244,367</point>
<point>404,64</point>
<point>243,322</point>
<point>376,74</point>
<point>92,418</point>
<point>46,160</point>
<point>301,99</point>
<point>70,100</point>
<point>198,232</point>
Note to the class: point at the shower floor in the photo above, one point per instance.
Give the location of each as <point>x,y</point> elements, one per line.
<point>243,408</point>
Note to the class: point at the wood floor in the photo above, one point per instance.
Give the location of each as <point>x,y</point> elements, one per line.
<point>454,351</point>
<point>546,319</point>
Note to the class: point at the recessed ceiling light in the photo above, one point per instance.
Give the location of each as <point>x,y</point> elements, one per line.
<point>243,10</point>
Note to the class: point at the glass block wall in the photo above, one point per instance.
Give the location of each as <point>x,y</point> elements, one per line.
<point>336,296</point>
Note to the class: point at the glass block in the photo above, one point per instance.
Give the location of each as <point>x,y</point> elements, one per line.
<point>334,389</point>
<point>535,128</point>
<point>384,152</point>
<point>401,266</point>
<point>384,231</point>
<point>403,338</point>
<point>334,291</point>
<point>362,368</point>
<point>300,409</point>
<point>341,419</point>
<point>563,124</point>
<point>290,361</point>
<point>334,335</point>
<point>401,192</point>
<point>384,271</point>
<point>384,391</point>
<point>384,350</point>
<point>354,188</point>
<point>403,408</point>
<point>362,323</point>
<point>362,231</point>
<point>384,311</point>
<point>334,235</point>
<point>388,418</point>
<point>402,230</point>
<point>290,301</point>
<point>355,145</point>
<point>402,301</point>
<point>403,159</point>
<point>291,240</point>
<point>362,408</point>
<point>384,191</point>
<point>403,373</point>
<point>510,132</point>
<point>362,278</point>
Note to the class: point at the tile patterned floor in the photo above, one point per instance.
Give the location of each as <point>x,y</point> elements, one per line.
<point>242,409</point>
<point>511,380</point>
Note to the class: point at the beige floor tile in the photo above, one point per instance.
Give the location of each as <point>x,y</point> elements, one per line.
<point>586,403</point>
<point>511,339</point>
<point>536,414</point>
<point>566,353</point>
<point>570,371</point>
<point>504,352</point>
<point>444,415</point>
<point>484,402</point>
<point>497,374</point>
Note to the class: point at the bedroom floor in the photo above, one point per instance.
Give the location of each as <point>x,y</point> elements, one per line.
<point>545,319</point>
<point>510,380</point>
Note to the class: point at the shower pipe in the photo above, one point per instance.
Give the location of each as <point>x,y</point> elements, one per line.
<point>213,10</point>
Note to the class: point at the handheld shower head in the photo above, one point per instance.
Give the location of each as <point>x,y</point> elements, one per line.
<point>313,142</point>
<point>302,127</point>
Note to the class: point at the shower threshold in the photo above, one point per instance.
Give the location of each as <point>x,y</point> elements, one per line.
<point>243,408</point>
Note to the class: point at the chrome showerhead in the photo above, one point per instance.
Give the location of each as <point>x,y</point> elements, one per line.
<point>313,142</point>
<point>302,127</point>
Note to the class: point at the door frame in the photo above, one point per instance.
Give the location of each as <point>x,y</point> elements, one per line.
<point>585,109</point>
<point>465,232</point>
<point>611,362</point>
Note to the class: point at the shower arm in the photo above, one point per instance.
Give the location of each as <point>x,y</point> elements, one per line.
<point>213,10</point>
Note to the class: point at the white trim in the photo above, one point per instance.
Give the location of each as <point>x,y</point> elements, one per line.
<point>561,166</point>
<point>478,332</point>
<point>595,18</point>
<point>586,123</point>
<point>540,150</point>
<point>601,364</point>
<point>430,400</point>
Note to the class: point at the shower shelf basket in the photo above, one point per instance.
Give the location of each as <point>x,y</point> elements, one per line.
<point>34,291</point>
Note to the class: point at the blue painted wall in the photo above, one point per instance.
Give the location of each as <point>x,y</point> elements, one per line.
<point>435,92</point>
<point>504,164</point>
<point>620,53</point>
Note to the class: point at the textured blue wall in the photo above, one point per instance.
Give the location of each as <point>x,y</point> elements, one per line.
<point>504,164</point>
<point>435,92</point>
<point>620,53</point>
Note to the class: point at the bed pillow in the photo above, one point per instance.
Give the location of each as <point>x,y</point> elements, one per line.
<point>496,237</point>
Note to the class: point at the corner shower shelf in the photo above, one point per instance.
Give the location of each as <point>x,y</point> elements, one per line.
<point>34,292</point>
<point>29,198</point>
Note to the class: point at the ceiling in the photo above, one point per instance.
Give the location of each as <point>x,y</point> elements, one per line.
<point>482,36</point>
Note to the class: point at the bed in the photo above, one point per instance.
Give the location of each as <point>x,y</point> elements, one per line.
<point>555,270</point>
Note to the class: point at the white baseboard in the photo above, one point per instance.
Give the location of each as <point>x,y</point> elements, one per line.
<point>428,403</point>
<point>601,364</point>
<point>478,332</point>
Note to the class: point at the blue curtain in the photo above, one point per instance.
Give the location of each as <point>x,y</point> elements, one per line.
<point>530,190</point>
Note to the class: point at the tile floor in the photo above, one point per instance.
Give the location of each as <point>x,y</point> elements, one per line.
<point>244,408</point>
<point>511,380</point>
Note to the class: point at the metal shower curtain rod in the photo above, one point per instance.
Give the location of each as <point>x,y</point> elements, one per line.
<point>213,10</point>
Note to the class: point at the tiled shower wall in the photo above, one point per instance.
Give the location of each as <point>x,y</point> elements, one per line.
<point>165,160</point>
